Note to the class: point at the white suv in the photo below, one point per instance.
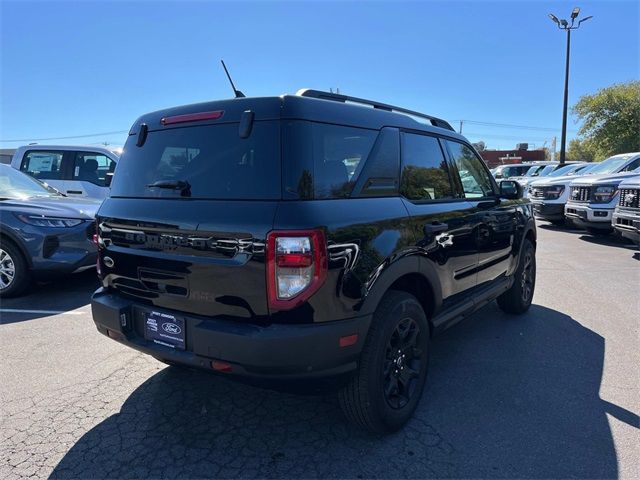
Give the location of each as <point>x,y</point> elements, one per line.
<point>76,171</point>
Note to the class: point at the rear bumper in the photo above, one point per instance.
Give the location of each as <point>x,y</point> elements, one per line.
<point>585,216</point>
<point>627,223</point>
<point>548,211</point>
<point>273,352</point>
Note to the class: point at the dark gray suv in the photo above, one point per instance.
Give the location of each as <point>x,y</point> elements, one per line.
<point>42,232</point>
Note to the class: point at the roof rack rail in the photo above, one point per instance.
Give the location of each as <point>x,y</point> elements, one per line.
<point>338,97</point>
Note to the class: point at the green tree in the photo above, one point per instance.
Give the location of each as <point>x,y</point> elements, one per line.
<point>610,120</point>
<point>581,150</point>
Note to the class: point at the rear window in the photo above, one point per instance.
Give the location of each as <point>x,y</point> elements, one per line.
<point>212,159</point>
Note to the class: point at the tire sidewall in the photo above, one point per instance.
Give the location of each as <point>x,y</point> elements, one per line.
<point>529,249</point>
<point>407,306</point>
<point>21,276</point>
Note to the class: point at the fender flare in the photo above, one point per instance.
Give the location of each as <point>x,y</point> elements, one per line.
<point>409,264</point>
<point>529,227</point>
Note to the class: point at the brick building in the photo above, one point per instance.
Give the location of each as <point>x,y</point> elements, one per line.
<point>493,158</point>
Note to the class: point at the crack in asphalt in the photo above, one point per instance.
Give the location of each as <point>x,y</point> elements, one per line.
<point>178,423</point>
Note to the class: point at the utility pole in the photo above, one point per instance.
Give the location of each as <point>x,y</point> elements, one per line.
<point>460,131</point>
<point>564,25</point>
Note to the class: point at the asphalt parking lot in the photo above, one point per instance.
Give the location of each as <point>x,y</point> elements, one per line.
<point>552,394</point>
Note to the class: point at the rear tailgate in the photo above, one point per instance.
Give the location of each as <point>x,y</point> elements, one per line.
<point>201,257</point>
<point>192,200</point>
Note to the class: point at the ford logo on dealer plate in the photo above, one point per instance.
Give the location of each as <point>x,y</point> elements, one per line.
<point>171,328</point>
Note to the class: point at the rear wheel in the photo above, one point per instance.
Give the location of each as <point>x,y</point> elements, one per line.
<point>559,222</point>
<point>14,271</point>
<point>518,298</point>
<point>386,389</point>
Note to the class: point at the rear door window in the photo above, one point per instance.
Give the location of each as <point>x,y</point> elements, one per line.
<point>43,164</point>
<point>92,167</point>
<point>213,159</point>
<point>425,173</point>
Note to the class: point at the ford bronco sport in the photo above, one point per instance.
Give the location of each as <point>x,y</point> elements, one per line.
<point>303,238</point>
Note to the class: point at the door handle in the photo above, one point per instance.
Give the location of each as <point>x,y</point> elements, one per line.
<point>435,227</point>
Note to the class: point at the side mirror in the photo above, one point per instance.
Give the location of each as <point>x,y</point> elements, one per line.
<point>108,179</point>
<point>499,175</point>
<point>510,189</point>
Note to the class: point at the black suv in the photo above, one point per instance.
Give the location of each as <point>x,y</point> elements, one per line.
<point>307,237</point>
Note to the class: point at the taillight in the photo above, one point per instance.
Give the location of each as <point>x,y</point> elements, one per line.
<point>296,266</point>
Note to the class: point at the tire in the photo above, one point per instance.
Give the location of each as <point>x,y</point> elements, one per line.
<point>15,276</point>
<point>383,394</point>
<point>518,298</point>
<point>558,223</point>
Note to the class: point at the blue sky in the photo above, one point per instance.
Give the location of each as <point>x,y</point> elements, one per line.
<point>76,68</point>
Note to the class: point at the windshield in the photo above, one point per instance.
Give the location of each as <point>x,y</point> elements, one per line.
<point>15,184</point>
<point>534,171</point>
<point>569,170</point>
<point>546,170</point>
<point>610,165</point>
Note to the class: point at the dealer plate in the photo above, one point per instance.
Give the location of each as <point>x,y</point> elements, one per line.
<point>164,329</point>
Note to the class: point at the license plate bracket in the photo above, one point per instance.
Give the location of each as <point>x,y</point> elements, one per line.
<point>164,329</point>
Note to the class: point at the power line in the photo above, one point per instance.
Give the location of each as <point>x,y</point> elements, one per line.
<point>65,138</point>
<point>503,137</point>
<point>508,125</point>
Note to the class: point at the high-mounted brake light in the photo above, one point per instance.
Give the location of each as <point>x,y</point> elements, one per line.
<point>296,266</point>
<point>192,117</point>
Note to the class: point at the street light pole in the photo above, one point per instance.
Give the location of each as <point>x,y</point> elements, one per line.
<point>563,141</point>
<point>564,25</point>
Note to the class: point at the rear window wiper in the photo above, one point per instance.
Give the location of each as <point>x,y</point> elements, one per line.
<point>179,185</point>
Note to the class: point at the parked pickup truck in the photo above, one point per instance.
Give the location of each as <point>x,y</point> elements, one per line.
<point>550,195</point>
<point>626,216</point>
<point>592,200</point>
<point>74,170</point>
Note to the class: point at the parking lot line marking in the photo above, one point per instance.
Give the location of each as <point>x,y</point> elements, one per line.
<point>44,312</point>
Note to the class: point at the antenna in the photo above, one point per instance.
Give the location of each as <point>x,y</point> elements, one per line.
<point>237,93</point>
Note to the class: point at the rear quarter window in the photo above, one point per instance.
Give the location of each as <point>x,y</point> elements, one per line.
<point>323,161</point>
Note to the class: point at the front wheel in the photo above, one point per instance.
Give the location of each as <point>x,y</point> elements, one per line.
<point>14,271</point>
<point>386,389</point>
<point>518,298</point>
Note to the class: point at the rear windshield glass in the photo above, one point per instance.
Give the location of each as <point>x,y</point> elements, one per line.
<point>212,160</point>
